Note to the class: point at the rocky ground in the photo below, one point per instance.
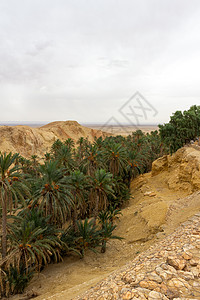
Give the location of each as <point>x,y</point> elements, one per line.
<point>168,270</point>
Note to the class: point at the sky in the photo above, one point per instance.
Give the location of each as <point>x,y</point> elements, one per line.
<point>122,61</point>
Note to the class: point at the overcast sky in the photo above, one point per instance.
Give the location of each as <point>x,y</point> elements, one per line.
<point>83,59</point>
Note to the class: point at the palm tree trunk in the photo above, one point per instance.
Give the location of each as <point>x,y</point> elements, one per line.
<point>75,215</point>
<point>50,209</point>
<point>4,223</point>
<point>96,210</point>
<point>103,247</point>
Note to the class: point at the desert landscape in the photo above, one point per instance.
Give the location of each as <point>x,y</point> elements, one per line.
<point>99,150</point>
<point>124,130</point>
<point>160,201</point>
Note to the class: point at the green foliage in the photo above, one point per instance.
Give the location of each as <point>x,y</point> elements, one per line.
<point>107,234</point>
<point>115,156</point>
<point>102,186</point>
<point>181,129</point>
<point>31,243</point>
<point>114,213</point>
<point>87,236</point>
<point>109,215</point>
<point>51,192</point>
<point>17,280</point>
<point>79,189</point>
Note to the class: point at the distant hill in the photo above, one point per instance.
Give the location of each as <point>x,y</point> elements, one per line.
<point>29,141</point>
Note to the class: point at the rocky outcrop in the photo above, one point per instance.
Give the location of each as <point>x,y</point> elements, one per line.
<point>160,165</point>
<point>182,169</point>
<point>28,141</point>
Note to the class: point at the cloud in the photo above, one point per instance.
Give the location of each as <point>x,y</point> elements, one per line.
<point>82,59</point>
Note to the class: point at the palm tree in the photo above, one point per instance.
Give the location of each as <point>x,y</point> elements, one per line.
<point>92,160</point>
<point>32,242</point>
<point>102,186</point>
<point>11,189</point>
<point>83,145</point>
<point>134,164</point>
<point>34,162</point>
<point>52,192</point>
<point>107,234</point>
<point>98,142</point>
<point>47,156</point>
<point>69,143</point>
<point>79,185</point>
<point>87,236</point>
<point>113,213</point>
<point>55,147</point>
<point>25,165</point>
<point>65,159</point>
<point>115,156</point>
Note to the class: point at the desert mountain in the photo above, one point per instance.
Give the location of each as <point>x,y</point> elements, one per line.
<point>36,141</point>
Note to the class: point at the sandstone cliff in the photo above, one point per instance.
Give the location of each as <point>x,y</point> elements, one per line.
<point>181,170</point>
<point>28,141</point>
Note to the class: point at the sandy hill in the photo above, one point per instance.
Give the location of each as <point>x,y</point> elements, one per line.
<point>29,141</point>
<point>161,201</point>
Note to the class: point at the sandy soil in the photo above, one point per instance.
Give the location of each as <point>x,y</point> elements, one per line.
<point>153,212</point>
<point>124,130</point>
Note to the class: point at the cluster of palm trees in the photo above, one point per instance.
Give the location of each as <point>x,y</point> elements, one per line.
<point>181,129</point>
<point>82,185</point>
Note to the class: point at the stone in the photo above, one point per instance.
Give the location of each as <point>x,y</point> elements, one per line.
<point>196,284</point>
<point>187,255</point>
<point>144,291</point>
<point>194,262</point>
<point>150,194</point>
<point>149,284</point>
<point>166,275</point>
<point>127,296</point>
<point>179,284</point>
<point>186,275</point>
<point>128,278</point>
<point>175,262</point>
<point>153,276</point>
<point>195,271</point>
<point>138,295</point>
<point>156,296</point>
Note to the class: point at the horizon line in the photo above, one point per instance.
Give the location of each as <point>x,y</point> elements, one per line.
<point>81,123</point>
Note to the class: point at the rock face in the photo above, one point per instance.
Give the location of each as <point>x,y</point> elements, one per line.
<point>160,165</point>
<point>28,141</point>
<point>182,169</point>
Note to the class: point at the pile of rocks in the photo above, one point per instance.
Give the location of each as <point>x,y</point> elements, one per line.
<point>168,270</point>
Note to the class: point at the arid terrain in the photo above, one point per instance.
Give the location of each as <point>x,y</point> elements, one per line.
<point>27,140</point>
<point>123,130</point>
<point>161,201</point>
<point>36,141</point>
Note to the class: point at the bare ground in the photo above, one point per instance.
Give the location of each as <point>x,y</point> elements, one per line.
<point>124,129</point>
